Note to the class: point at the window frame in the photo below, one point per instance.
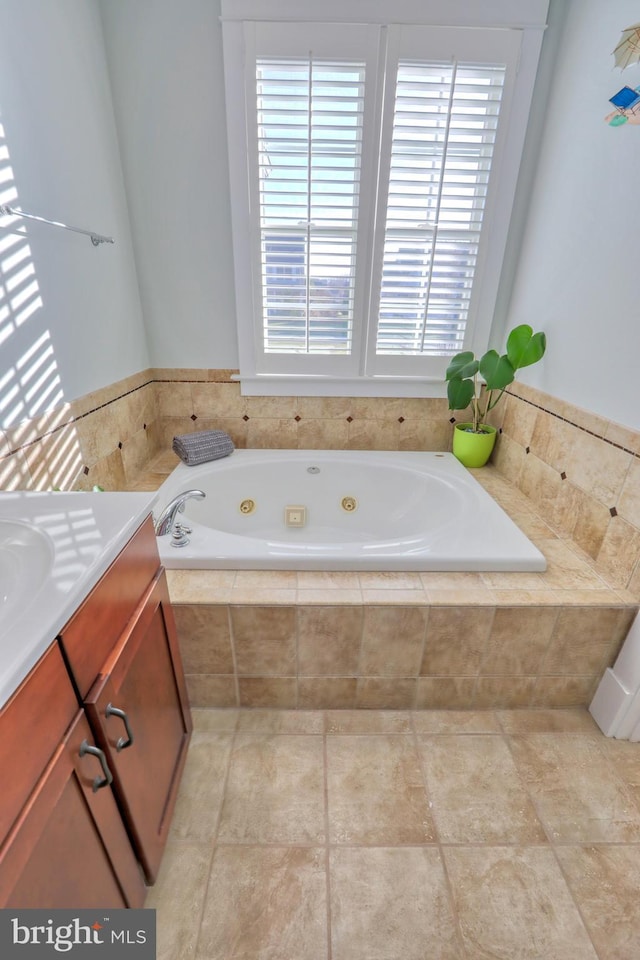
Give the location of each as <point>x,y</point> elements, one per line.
<point>394,27</point>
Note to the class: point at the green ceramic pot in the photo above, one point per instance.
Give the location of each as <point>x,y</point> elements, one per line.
<point>473,449</point>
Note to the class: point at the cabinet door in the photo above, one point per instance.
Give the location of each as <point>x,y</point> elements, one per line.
<point>69,848</point>
<point>139,712</point>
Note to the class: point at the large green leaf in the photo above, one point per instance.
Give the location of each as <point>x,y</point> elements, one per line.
<point>525,347</point>
<point>462,365</point>
<point>460,394</point>
<point>496,370</point>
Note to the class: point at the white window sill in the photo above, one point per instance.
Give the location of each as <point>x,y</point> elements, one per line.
<point>310,386</point>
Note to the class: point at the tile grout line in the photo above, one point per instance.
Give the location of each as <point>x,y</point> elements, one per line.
<point>216,831</point>
<point>548,833</point>
<point>438,842</point>
<point>327,852</point>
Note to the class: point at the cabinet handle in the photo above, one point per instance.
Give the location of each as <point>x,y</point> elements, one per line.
<point>122,743</point>
<point>96,752</point>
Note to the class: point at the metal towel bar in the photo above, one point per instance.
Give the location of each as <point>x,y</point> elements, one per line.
<point>96,238</point>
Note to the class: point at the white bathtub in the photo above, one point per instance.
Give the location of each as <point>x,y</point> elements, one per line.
<point>401,511</point>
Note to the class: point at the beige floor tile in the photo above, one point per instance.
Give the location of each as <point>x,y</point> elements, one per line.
<point>576,791</point>
<point>280,721</point>
<point>476,792</point>
<point>368,721</point>
<point>201,791</point>
<point>455,721</point>
<point>513,904</point>
<point>275,791</point>
<point>390,904</point>
<point>577,720</point>
<point>605,881</point>
<point>265,903</point>
<point>376,791</point>
<point>178,897</point>
<point>213,720</point>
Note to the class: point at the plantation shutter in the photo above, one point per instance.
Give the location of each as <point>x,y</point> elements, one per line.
<point>310,119</point>
<point>444,132</point>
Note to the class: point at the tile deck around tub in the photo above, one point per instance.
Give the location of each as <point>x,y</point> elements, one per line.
<point>570,578</point>
<point>315,640</point>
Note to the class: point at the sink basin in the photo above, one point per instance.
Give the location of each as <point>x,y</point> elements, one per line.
<point>26,560</point>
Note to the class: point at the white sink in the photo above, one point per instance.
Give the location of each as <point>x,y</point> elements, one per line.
<point>26,561</point>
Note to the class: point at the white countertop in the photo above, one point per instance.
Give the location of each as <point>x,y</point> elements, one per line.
<point>80,535</point>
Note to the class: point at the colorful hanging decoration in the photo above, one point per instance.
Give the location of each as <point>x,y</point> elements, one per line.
<point>627,100</point>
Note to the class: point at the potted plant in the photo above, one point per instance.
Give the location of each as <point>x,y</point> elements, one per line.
<point>474,441</point>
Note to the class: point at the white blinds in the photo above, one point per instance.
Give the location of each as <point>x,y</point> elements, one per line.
<point>444,129</point>
<point>310,117</point>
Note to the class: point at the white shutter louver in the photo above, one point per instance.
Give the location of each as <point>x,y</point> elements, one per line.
<point>444,129</point>
<point>310,117</point>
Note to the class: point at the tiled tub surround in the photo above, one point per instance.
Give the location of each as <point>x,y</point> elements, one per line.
<point>106,438</point>
<point>529,639</point>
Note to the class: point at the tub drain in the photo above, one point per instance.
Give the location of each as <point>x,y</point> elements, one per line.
<point>247,506</point>
<point>349,504</point>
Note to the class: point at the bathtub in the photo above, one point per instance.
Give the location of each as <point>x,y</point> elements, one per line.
<point>342,510</point>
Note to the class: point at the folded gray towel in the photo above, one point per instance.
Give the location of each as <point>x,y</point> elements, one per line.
<point>193,448</point>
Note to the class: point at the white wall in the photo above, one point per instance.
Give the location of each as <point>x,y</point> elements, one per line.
<point>577,275</point>
<point>61,161</point>
<point>166,69</point>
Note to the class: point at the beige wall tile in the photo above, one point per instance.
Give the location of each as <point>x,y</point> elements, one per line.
<point>554,442</point>
<point>214,400</point>
<point>564,691</point>
<point>212,691</point>
<point>392,641</point>
<point>445,693</point>
<point>373,435</point>
<point>272,434</point>
<point>276,692</point>
<point>509,457</point>
<point>456,641</point>
<point>519,420</point>
<point>557,500</point>
<point>205,641</point>
<point>329,640</point>
<point>174,400</point>
<point>326,693</point>
<point>323,434</point>
<point>236,427</point>
<point>518,641</point>
<point>272,408</point>
<point>584,641</point>
<point>378,693</point>
<point>592,521</point>
<point>619,552</point>
<point>424,435</point>
<point>324,408</point>
<point>628,505</point>
<point>598,468</point>
<point>502,692</point>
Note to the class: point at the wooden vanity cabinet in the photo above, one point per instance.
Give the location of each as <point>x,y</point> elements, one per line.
<point>92,746</point>
<point>62,842</point>
<point>69,847</point>
<point>129,675</point>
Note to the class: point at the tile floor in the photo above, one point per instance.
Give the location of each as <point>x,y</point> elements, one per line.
<point>386,835</point>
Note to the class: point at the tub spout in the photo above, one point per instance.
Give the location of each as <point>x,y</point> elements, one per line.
<point>167,518</point>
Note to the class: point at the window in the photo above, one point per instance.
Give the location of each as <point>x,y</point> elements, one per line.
<point>373,168</point>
